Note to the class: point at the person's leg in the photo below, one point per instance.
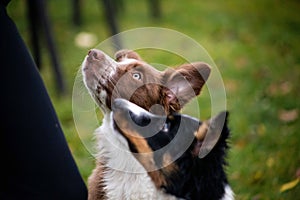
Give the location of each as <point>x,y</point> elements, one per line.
<point>36,160</point>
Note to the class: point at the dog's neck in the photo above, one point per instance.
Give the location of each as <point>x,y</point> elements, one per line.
<point>124,177</point>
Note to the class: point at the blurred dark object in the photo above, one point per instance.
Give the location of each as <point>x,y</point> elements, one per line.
<point>155,8</point>
<point>38,162</point>
<point>111,9</point>
<point>40,23</point>
<point>5,2</point>
<point>76,15</point>
<point>110,15</point>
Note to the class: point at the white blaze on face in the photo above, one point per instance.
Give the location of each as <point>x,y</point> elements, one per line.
<point>133,107</point>
<point>127,61</point>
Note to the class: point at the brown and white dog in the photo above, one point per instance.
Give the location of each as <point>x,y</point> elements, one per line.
<point>118,175</point>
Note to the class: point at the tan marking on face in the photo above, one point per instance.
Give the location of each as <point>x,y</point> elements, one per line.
<point>201,132</point>
<point>169,166</point>
<point>139,142</point>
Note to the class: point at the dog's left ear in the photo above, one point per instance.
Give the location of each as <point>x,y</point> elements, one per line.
<point>183,83</point>
<point>209,133</point>
<point>125,53</point>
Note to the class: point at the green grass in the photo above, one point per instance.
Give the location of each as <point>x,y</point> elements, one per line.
<point>255,45</point>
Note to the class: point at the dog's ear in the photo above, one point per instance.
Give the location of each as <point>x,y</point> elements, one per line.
<point>209,133</point>
<point>183,83</point>
<point>125,53</point>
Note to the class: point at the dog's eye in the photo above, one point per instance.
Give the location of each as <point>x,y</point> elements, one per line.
<point>137,76</point>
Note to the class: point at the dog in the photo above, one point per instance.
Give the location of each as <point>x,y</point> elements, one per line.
<point>188,176</point>
<point>161,92</point>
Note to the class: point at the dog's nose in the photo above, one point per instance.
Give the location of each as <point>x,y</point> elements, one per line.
<point>96,54</point>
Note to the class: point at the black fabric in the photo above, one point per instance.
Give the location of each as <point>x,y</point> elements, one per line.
<point>36,160</point>
<point>4,2</point>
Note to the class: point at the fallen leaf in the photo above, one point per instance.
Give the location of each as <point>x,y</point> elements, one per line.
<point>285,87</point>
<point>240,144</point>
<point>288,115</point>
<point>282,88</point>
<point>289,185</point>
<point>257,176</point>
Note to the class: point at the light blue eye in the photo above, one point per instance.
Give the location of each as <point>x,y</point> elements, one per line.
<point>137,76</point>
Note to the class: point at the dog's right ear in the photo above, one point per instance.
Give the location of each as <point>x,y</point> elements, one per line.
<point>126,53</point>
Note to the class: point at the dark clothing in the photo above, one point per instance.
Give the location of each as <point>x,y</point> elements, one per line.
<point>36,160</point>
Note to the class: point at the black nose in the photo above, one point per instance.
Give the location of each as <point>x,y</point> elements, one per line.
<point>96,54</point>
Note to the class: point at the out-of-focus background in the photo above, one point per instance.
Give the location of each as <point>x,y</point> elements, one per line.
<point>256,46</point>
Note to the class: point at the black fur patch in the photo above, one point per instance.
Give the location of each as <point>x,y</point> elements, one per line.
<point>189,176</point>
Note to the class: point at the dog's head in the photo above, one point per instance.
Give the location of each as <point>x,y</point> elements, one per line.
<point>131,78</point>
<point>169,146</point>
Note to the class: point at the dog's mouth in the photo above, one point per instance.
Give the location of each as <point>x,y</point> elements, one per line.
<point>97,69</point>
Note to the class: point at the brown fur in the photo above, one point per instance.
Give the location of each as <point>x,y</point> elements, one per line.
<point>171,89</point>
<point>95,183</point>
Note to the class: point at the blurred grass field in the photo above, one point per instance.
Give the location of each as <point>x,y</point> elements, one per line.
<point>256,46</point>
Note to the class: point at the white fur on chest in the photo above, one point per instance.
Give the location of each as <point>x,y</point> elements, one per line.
<point>124,177</point>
